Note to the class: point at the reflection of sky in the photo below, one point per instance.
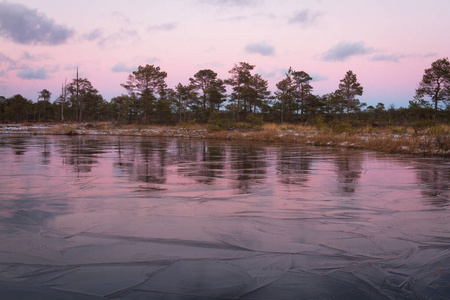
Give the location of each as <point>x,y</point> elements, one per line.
<point>216,201</point>
<point>172,179</point>
<point>193,167</point>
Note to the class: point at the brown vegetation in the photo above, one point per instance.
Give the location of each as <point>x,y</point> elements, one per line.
<point>428,140</point>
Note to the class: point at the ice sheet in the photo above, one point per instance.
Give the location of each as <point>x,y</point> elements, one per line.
<point>142,218</point>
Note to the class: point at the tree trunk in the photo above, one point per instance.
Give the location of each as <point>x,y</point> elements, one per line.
<point>302,109</point>
<point>348,108</point>
<point>185,108</point>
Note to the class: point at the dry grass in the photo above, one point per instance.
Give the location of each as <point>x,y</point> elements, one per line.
<point>286,126</point>
<point>432,141</point>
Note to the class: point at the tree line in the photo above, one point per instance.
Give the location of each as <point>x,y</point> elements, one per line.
<point>147,99</point>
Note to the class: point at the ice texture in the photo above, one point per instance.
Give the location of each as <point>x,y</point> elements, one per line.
<point>145,218</point>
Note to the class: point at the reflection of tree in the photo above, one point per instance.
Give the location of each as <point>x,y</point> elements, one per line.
<point>46,152</point>
<point>214,160</point>
<point>18,145</point>
<point>125,155</point>
<point>146,162</point>
<point>150,167</point>
<point>81,153</point>
<point>293,166</point>
<point>186,151</point>
<point>349,169</point>
<point>205,161</point>
<point>248,166</point>
<point>436,181</point>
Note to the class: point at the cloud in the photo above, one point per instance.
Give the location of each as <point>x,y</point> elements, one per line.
<point>120,17</point>
<point>274,73</point>
<point>260,48</point>
<point>431,54</point>
<point>94,35</point>
<point>39,73</point>
<point>4,58</point>
<point>304,17</point>
<point>121,67</point>
<point>345,50</point>
<point>397,57</point>
<point>119,36</point>
<point>151,60</point>
<point>230,2</point>
<point>391,57</point>
<point>71,67</point>
<point>24,66</point>
<point>280,73</point>
<point>162,27</point>
<point>27,56</point>
<point>317,77</point>
<point>32,57</point>
<point>7,63</point>
<point>27,26</point>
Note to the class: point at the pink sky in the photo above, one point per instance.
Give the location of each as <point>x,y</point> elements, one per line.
<point>388,44</point>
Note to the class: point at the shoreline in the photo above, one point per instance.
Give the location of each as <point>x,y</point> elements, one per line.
<point>429,145</point>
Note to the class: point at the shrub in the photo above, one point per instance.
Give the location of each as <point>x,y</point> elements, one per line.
<point>437,130</point>
<point>188,124</point>
<point>398,131</point>
<point>340,127</point>
<point>320,122</point>
<point>255,122</point>
<point>287,127</point>
<point>422,125</point>
<point>218,123</point>
<point>242,126</point>
<point>358,123</point>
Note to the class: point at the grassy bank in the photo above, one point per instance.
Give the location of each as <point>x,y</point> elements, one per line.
<point>426,141</point>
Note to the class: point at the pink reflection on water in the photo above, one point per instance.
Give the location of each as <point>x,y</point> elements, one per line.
<point>85,202</point>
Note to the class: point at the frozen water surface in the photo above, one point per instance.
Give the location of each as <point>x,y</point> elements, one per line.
<point>89,217</point>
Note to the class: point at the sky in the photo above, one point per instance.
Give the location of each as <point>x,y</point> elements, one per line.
<point>387,44</point>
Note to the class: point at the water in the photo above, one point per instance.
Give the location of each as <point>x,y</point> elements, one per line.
<point>87,217</point>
